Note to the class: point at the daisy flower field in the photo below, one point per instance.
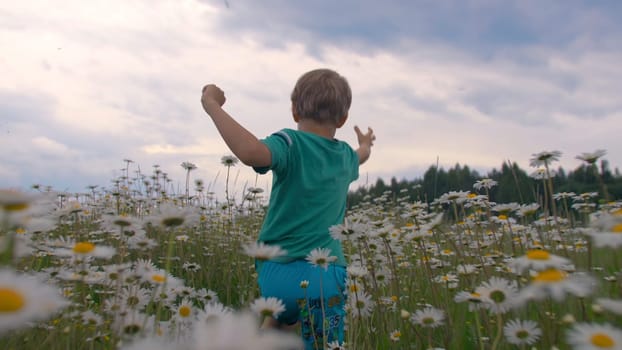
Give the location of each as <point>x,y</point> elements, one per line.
<point>140,266</point>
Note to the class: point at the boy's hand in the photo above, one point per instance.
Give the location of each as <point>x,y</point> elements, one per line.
<point>365,142</point>
<point>212,94</point>
<point>365,139</point>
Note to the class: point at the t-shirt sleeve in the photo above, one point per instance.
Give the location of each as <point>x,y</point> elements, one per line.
<point>278,144</point>
<point>354,160</point>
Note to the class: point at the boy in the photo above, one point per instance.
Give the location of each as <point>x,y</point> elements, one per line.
<point>311,174</point>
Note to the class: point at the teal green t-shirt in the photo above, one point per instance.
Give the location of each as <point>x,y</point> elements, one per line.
<point>311,177</point>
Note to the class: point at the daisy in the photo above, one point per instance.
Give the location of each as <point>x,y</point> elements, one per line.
<point>538,259</point>
<point>612,305</point>
<point>498,294</point>
<point>349,231</point>
<point>185,312</point>
<point>544,158</point>
<point>519,332</point>
<point>255,190</point>
<point>191,266</point>
<point>14,201</point>
<point>170,216</point>
<point>134,298</point>
<point>357,270</point>
<point>23,300</point>
<point>556,284</point>
<point>454,196</point>
<point>541,174</point>
<point>155,343</point>
<point>395,335</point>
<point>591,158</point>
<point>270,306</point>
<point>213,311</point>
<point>361,304</point>
<point>116,223</point>
<point>484,183</point>
<point>382,276</point>
<point>466,269</point>
<point>229,161</point>
<point>86,249</point>
<point>142,266</point>
<point>446,278</point>
<point>90,318</point>
<point>240,331</point>
<point>129,324</point>
<point>262,251</point>
<point>184,291</point>
<point>117,272</point>
<point>606,229</point>
<point>320,257</point>
<point>429,317</point>
<point>188,166</point>
<point>474,299</point>
<point>207,296</point>
<point>592,336</point>
<point>527,209</point>
<point>160,277</point>
<point>141,242</point>
<point>335,345</point>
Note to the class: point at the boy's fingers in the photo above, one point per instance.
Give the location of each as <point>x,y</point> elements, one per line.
<point>357,130</point>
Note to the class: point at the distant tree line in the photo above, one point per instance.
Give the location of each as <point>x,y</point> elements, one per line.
<point>513,183</point>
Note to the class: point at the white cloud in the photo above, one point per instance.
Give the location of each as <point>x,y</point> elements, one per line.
<point>48,147</point>
<point>125,82</point>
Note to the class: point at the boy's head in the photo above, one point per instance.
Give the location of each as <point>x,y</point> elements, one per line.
<point>322,95</point>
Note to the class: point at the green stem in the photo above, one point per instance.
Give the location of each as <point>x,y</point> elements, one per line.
<point>499,332</point>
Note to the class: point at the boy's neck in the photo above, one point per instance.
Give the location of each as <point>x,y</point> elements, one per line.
<point>324,130</point>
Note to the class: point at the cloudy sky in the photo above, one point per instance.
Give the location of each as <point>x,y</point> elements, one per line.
<point>87,84</point>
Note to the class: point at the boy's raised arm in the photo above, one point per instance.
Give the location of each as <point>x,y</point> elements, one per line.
<point>365,142</point>
<point>241,142</point>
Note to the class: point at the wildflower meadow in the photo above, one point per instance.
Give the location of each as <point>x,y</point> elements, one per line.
<point>143,266</point>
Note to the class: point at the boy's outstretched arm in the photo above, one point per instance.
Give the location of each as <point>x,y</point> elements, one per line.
<point>365,142</point>
<point>241,142</point>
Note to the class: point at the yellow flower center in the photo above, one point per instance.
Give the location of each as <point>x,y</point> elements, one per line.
<point>158,278</point>
<point>602,340</point>
<point>475,297</point>
<point>353,288</point>
<point>20,231</point>
<point>503,217</point>
<point>122,221</point>
<point>10,300</point>
<point>394,298</point>
<point>538,254</point>
<point>184,311</point>
<point>550,276</point>
<point>15,206</point>
<point>83,247</point>
<point>172,221</point>
<point>617,228</point>
<point>521,334</point>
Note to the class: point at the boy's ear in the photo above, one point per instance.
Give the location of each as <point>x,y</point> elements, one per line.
<point>342,121</point>
<point>294,115</point>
